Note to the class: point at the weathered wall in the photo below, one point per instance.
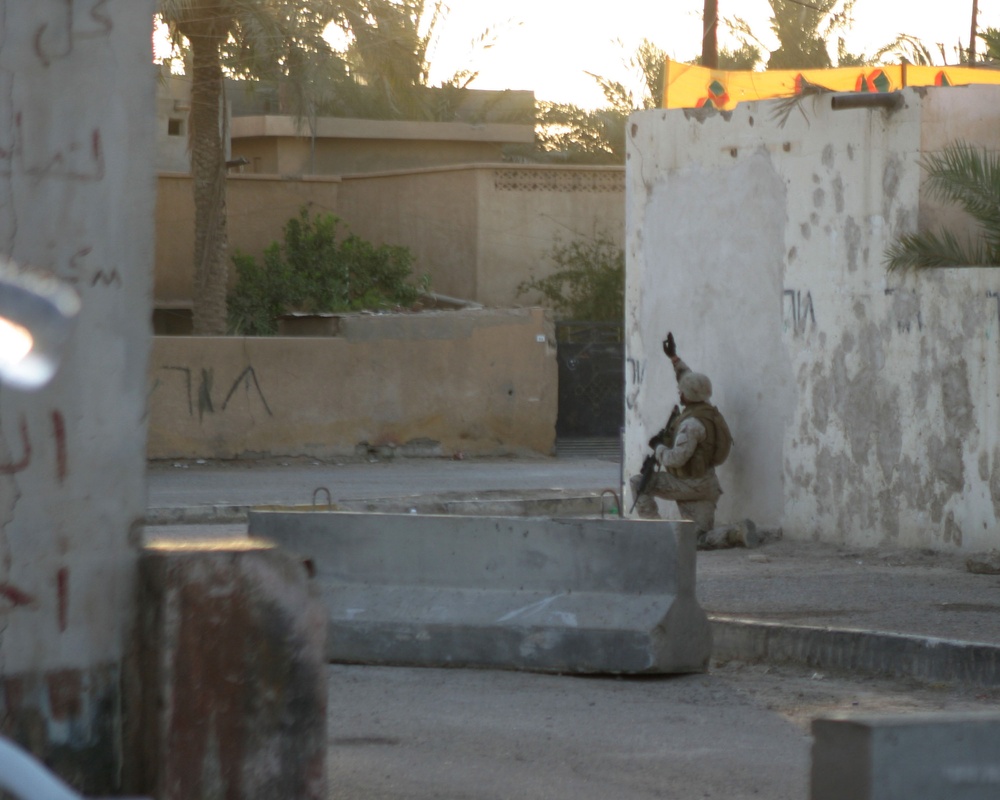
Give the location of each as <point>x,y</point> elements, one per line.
<point>76,196</point>
<point>864,405</point>
<point>475,382</point>
<point>173,105</point>
<point>257,207</point>
<point>477,231</point>
<point>435,213</point>
<point>342,146</point>
<point>524,212</point>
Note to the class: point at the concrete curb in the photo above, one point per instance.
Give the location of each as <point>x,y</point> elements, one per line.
<point>196,515</point>
<point>550,503</point>
<point>924,658</point>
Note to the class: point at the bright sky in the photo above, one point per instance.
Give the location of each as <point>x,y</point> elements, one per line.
<point>548,45</point>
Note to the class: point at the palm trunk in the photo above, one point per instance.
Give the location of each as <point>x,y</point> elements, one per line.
<point>208,172</point>
<point>710,38</point>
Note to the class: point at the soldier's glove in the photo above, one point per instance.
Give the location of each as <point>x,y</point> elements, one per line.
<point>669,346</point>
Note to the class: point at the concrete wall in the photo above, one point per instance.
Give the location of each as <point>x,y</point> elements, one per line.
<point>282,145</point>
<point>526,211</point>
<point>478,231</point>
<point>433,212</point>
<point>258,208</point>
<point>76,196</point>
<point>476,382</point>
<point>864,405</point>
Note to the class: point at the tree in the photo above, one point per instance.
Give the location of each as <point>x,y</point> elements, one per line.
<point>577,135</point>
<point>796,25</point>
<point>710,34</point>
<point>967,176</point>
<point>390,43</point>
<point>260,37</point>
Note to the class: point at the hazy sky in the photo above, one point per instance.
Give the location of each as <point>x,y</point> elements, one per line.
<point>547,45</point>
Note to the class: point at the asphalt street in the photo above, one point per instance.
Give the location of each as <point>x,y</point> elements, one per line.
<point>739,731</point>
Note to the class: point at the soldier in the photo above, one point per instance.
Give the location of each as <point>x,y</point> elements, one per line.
<point>694,442</point>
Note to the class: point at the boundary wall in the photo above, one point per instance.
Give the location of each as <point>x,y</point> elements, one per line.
<point>865,405</point>
<point>478,231</point>
<point>478,382</point>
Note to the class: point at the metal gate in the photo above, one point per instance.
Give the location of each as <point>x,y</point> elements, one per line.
<point>591,358</point>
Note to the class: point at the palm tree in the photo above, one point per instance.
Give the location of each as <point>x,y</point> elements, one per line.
<point>970,177</point>
<point>259,37</point>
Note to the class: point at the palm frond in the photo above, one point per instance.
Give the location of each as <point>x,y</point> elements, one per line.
<point>969,177</point>
<point>783,108</point>
<point>928,250</point>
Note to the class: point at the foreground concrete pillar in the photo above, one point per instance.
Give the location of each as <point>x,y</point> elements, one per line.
<point>927,756</point>
<point>228,685</point>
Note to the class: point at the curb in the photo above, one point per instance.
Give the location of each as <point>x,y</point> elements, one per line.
<point>898,655</point>
<point>195,515</point>
<point>545,503</point>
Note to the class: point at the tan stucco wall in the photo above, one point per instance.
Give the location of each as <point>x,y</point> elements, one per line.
<point>477,231</point>
<point>300,156</point>
<point>432,212</point>
<point>342,146</point>
<point>258,208</point>
<point>524,212</point>
<point>476,382</point>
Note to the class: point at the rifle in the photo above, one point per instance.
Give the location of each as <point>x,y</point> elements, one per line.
<point>664,436</point>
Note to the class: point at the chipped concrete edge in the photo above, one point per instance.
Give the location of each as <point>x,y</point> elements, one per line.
<point>898,655</point>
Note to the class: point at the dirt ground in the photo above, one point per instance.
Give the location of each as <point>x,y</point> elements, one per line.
<point>800,694</point>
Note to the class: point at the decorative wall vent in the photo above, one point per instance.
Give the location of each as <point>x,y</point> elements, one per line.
<point>548,180</point>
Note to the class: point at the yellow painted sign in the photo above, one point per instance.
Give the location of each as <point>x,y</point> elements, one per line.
<point>688,86</point>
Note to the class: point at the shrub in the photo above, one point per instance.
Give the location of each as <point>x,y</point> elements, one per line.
<point>589,283</point>
<point>314,271</point>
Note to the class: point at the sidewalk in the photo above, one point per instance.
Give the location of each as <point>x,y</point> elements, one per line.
<point>901,612</point>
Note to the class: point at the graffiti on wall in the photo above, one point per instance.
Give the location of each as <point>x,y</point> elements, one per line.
<point>13,596</point>
<point>798,313</point>
<point>62,140</point>
<point>635,370</point>
<point>905,310</point>
<point>199,391</point>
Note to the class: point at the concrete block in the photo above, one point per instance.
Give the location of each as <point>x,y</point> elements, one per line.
<point>928,755</point>
<point>554,595</point>
<point>228,682</point>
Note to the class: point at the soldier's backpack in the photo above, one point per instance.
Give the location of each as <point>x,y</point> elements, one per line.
<point>723,438</point>
<point>707,413</point>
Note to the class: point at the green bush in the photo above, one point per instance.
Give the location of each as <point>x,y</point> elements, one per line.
<point>313,271</point>
<point>589,283</point>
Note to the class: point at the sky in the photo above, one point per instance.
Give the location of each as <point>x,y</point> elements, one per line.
<point>548,45</point>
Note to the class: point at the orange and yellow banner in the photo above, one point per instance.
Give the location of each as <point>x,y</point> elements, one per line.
<point>688,86</point>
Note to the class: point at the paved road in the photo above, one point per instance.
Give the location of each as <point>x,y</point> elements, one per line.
<point>792,582</point>
<point>738,733</point>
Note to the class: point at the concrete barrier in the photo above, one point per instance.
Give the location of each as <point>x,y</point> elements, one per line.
<point>553,595</point>
<point>931,756</point>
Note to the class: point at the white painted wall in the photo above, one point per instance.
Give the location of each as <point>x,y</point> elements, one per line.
<point>864,405</point>
<point>77,197</point>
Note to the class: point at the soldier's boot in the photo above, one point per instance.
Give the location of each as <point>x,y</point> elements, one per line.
<point>742,534</point>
